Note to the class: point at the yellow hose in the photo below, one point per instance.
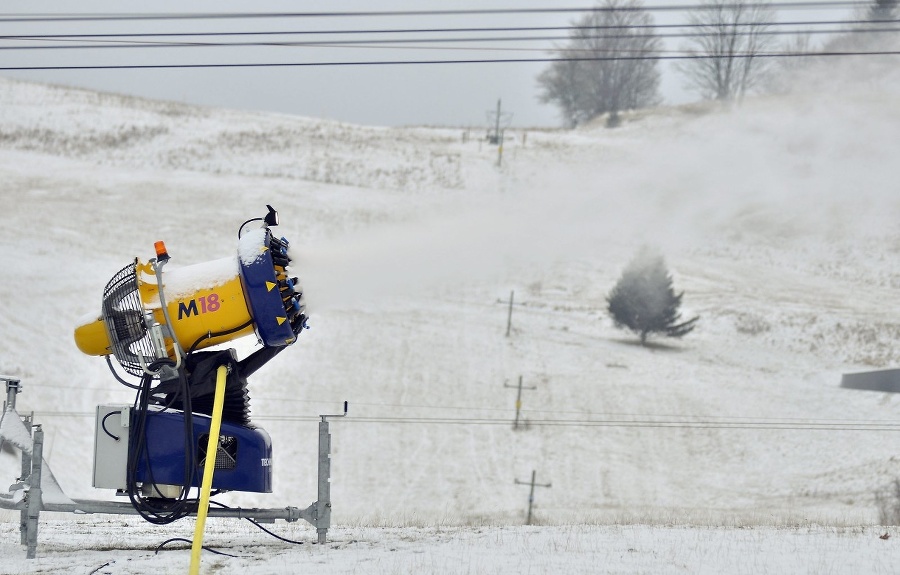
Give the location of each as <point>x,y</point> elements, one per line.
<point>212,448</point>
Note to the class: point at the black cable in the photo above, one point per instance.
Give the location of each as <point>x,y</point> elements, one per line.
<point>444,30</point>
<point>190,459</point>
<point>471,61</point>
<point>136,445</point>
<point>103,424</point>
<point>743,424</point>
<point>172,509</point>
<point>715,423</point>
<point>210,549</point>
<point>116,375</point>
<point>638,424</point>
<point>211,335</point>
<point>275,535</point>
<point>254,522</point>
<point>407,42</point>
<point>108,563</point>
<point>62,17</point>
<point>673,420</point>
<point>240,229</point>
<point>812,425</point>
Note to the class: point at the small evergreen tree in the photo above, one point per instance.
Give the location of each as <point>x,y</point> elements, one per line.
<point>644,301</point>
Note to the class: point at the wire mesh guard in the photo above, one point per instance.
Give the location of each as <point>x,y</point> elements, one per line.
<point>123,314</point>
<point>226,454</point>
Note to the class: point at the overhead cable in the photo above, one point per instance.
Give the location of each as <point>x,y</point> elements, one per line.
<point>740,424</point>
<point>98,17</point>
<point>377,31</point>
<point>406,42</point>
<point>827,54</point>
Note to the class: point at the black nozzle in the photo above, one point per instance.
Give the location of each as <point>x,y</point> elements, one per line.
<point>271,218</point>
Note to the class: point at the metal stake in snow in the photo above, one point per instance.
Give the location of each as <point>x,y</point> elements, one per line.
<point>531,493</point>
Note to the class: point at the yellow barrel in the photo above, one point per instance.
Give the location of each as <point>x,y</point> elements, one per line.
<point>201,299</point>
<point>91,337</point>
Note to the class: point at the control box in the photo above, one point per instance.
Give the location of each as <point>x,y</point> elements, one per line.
<point>111,446</point>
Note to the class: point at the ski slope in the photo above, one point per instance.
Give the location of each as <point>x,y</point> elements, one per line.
<point>777,219</point>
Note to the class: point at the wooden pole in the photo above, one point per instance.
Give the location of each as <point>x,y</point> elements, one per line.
<point>512,294</point>
<point>518,400</point>
<point>533,483</point>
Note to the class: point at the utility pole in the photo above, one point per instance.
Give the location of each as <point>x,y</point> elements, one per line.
<point>518,399</point>
<point>499,137</point>
<point>497,125</point>
<point>533,484</point>
<point>512,294</point>
<point>496,137</point>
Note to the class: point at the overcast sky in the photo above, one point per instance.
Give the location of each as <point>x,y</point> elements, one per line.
<point>446,94</point>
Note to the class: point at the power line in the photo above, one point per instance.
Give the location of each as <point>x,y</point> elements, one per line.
<point>710,423</point>
<point>646,424</point>
<point>829,54</point>
<point>611,416</point>
<point>444,30</point>
<point>371,43</point>
<point>597,415</point>
<point>605,415</point>
<point>100,17</point>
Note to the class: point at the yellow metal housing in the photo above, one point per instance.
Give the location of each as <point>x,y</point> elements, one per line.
<point>202,311</point>
<point>202,300</point>
<point>92,338</point>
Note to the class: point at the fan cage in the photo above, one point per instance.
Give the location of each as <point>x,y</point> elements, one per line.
<point>123,313</point>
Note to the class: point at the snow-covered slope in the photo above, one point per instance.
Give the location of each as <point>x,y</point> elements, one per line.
<point>778,219</point>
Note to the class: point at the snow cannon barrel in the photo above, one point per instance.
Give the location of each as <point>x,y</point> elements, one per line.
<point>207,304</point>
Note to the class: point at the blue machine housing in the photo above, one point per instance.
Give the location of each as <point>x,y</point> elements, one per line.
<point>261,290</point>
<point>247,468</point>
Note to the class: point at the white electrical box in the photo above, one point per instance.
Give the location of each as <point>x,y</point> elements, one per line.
<point>111,446</point>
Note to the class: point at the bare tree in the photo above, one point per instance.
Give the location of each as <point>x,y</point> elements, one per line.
<point>883,10</point>
<point>730,38</point>
<point>606,66</point>
<point>786,71</point>
<point>870,30</point>
<point>873,20</point>
<point>562,84</point>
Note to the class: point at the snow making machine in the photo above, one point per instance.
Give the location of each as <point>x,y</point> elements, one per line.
<point>190,401</point>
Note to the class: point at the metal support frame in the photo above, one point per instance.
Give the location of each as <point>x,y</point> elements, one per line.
<point>13,388</point>
<point>34,499</point>
<point>318,514</point>
<point>323,503</point>
<point>28,421</point>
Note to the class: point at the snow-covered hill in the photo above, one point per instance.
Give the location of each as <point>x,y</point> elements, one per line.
<point>777,218</point>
